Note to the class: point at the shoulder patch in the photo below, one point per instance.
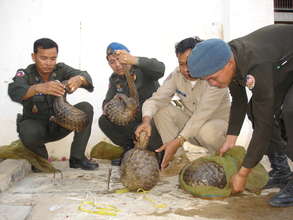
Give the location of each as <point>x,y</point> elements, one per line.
<point>250,81</point>
<point>20,73</point>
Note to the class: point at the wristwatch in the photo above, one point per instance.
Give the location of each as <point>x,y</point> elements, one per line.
<point>181,139</point>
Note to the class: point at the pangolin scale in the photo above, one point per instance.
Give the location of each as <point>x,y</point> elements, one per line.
<point>122,109</point>
<point>68,116</point>
<point>139,167</point>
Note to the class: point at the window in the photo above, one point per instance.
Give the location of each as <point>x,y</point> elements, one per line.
<point>283,5</point>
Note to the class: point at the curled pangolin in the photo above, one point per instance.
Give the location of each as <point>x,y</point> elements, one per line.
<point>68,116</point>
<point>206,173</point>
<point>122,109</point>
<point>139,167</point>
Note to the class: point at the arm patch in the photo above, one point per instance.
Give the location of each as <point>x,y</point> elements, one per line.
<point>20,73</point>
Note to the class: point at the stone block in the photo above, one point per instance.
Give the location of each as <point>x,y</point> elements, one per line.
<point>15,212</point>
<point>12,171</point>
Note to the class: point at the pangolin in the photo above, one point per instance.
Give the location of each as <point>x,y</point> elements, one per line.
<point>68,116</point>
<point>206,173</point>
<point>122,109</point>
<point>139,167</point>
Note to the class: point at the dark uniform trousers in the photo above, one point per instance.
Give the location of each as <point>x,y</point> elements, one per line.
<point>287,121</point>
<point>277,143</point>
<point>124,135</point>
<point>36,133</point>
<point>282,134</point>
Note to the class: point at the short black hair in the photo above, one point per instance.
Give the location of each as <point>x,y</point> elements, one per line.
<point>45,43</point>
<point>187,43</point>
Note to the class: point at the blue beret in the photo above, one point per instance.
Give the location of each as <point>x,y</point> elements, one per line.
<point>208,57</point>
<point>115,46</point>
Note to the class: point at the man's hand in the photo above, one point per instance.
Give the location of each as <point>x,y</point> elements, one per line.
<point>55,88</point>
<point>144,126</point>
<point>75,82</point>
<point>125,58</point>
<point>238,181</point>
<point>229,143</point>
<point>170,149</point>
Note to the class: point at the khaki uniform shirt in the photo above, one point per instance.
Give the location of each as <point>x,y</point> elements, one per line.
<point>201,102</point>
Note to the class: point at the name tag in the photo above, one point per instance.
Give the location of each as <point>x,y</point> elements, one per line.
<point>180,92</point>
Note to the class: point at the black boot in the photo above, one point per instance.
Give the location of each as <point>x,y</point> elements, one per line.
<point>116,162</point>
<point>35,170</point>
<point>280,173</point>
<point>284,197</point>
<point>84,164</point>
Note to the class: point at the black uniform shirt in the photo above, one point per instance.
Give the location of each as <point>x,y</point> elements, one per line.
<point>260,54</point>
<point>40,106</point>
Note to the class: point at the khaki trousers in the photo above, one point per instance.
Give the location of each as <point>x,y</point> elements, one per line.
<point>171,120</point>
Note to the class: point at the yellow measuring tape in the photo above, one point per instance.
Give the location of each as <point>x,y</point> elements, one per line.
<point>104,209</point>
<point>155,204</point>
<point>97,208</point>
<point>119,191</point>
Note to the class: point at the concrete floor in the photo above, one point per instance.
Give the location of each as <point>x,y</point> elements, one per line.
<point>40,197</point>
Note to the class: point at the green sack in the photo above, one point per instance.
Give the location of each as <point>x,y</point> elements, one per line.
<point>16,150</point>
<point>231,163</point>
<point>104,150</point>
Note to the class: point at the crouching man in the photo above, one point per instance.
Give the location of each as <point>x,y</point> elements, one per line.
<point>202,118</point>
<point>35,87</point>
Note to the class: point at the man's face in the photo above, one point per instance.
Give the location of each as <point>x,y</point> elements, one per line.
<point>116,66</point>
<point>182,60</point>
<point>45,60</point>
<point>223,77</point>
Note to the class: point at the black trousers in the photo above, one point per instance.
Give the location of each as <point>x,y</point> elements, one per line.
<point>282,135</point>
<point>287,122</point>
<point>277,143</point>
<point>124,135</point>
<point>34,134</point>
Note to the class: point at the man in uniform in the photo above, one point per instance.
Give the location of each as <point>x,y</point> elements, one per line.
<point>202,118</point>
<point>35,88</point>
<point>263,62</point>
<point>146,73</point>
